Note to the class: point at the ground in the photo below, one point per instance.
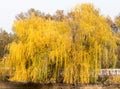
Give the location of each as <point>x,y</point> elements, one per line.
<point>16,85</point>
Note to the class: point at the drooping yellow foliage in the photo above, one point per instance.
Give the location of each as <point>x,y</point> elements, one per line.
<point>71,50</point>
<point>94,43</point>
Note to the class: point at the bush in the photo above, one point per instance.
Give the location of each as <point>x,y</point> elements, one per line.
<point>114,79</point>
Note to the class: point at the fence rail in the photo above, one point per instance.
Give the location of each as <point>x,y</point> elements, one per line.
<point>109,72</point>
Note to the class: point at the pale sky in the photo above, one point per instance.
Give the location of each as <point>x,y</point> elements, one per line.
<point>10,8</point>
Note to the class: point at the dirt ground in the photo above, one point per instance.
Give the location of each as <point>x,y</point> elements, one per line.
<point>14,85</point>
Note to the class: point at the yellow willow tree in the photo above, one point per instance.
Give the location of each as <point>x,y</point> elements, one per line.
<point>40,49</point>
<point>93,45</point>
<point>71,50</point>
<point>116,26</point>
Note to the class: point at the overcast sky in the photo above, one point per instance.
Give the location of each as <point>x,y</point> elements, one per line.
<point>10,8</point>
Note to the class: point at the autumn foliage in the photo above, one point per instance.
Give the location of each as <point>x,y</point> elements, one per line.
<point>70,50</point>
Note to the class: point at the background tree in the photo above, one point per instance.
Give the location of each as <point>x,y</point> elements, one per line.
<point>117,21</point>
<point>58,16</point>
<point>27,15</point>
<point>5,39</point>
